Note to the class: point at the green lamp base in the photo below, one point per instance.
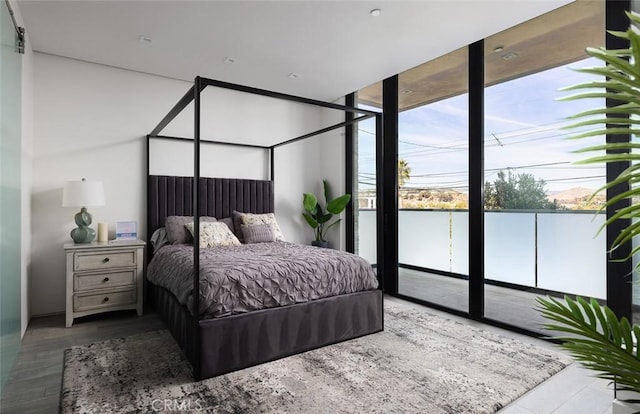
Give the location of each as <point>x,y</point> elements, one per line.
<point>83,233</point>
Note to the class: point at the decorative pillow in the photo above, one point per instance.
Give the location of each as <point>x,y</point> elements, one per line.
<point>159,238</point>
<point>229,222</point>
<point>251,219</point>
<point>214,234</point>
<point>258,233</point>
<point>177,233</point>
<point>237,224</point>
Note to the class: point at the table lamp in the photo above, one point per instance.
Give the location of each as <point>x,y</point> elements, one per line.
<point>82,194</point>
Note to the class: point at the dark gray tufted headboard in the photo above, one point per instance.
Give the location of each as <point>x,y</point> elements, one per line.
<point>172,196</point>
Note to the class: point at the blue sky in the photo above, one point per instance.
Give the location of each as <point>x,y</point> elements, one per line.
<point>522,132</point>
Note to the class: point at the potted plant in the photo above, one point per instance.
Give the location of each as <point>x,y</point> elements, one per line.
<point>592,333</point>
<point>319,217</point>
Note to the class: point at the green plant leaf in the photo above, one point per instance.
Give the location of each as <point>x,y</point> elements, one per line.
<point>309,202</point>
<point>619,122</point>
<point>327,191</point>
<point>607,130</point>
<point>312,222</point>
<point>596,346</point>
<point>324,218</point>
<point>620,109</point>
<point>609,147</point>
<point>337,205</point>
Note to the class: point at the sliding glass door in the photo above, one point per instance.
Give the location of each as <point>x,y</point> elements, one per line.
<point>540,225</point>
<point>535,228</point>
<point>433,181</point>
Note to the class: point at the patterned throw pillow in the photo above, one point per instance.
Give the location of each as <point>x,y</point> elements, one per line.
<point>250,219</point>
<point>214,234</point>
<point>177,233</point>
<point>259,233</point>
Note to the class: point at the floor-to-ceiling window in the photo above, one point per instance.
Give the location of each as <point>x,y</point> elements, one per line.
<point>433,181</point>
<point>364,176</point>
<point>10,193</point>
<point>539,224</point>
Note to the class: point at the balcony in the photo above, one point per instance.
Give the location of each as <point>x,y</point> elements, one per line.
<point>526,252</point>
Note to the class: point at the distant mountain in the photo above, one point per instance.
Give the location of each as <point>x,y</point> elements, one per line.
<point>570,194</point>
<point>572,199</point>
<point>576,198</point>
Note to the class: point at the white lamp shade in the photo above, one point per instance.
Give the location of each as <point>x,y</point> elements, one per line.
<point>83,194</point>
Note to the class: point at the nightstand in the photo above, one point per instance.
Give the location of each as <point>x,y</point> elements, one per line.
<point>103,277</point>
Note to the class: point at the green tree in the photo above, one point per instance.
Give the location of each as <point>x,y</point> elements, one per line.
<point>404,172</point>
<point>516,191</point>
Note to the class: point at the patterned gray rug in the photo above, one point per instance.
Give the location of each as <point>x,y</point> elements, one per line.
<point>421,363</point>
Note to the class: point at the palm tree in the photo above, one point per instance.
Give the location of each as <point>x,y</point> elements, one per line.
<point>404,172</point>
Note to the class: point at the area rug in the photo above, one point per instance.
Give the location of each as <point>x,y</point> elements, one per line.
<point>421,363</point>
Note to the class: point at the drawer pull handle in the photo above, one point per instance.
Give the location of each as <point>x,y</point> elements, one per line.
<point>106,279</point>
<point>106,299</point>
<point>105,260</point>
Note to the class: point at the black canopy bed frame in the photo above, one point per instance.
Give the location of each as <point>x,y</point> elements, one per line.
<point>217,346</point>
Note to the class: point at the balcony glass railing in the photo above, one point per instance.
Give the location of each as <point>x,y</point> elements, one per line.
<point>554,250</point>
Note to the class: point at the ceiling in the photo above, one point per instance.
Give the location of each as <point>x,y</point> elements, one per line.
<point>334,47</point>
<point>547,41</point>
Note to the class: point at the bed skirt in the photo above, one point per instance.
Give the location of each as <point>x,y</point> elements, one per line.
<point>239,341</point>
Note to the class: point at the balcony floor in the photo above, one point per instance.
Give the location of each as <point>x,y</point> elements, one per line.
<point>515,307</point>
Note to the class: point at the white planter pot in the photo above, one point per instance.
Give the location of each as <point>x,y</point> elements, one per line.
<point>620,407</point>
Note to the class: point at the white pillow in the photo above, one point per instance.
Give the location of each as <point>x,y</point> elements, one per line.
<point>214,234</point>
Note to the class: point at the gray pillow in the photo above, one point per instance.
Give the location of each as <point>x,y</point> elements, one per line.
<point>237,224</point>
<point>177,233</point>
<point>159,238</point>
<point>258,233</point>
<point>229,222</point>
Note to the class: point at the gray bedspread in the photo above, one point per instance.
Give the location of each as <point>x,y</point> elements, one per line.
<point>257,276</point>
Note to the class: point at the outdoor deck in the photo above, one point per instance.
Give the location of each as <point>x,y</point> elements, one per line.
<point>515,307</point>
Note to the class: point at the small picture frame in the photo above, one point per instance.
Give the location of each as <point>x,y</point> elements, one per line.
<point>126,230</point>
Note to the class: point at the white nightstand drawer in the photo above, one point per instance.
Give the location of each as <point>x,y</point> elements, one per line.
<point>90,281</point>
<point>104,260</point>
<point>83,302</point>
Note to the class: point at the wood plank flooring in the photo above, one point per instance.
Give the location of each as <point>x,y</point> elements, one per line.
<point>34,384</point>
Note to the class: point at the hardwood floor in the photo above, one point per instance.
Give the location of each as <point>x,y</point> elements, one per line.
<point>35,381</point>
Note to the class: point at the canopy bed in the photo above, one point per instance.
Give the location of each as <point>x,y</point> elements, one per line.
<point>256,302</point>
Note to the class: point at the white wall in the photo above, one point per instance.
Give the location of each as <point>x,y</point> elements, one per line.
<point>297,171</point>
<point>91,121</point>
<point>332,167</point>
<point>309,162</point>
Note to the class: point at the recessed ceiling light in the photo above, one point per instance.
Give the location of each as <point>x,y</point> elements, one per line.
<point>498,49</point>
<point>230,61</point>
<point>509,56</point>
<point>293,75</point>
<point>375,12</point>
<point>145,39</point>
<point>406,92</point>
